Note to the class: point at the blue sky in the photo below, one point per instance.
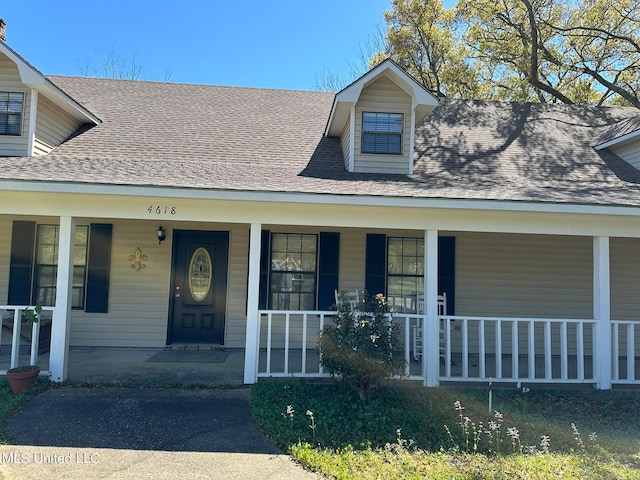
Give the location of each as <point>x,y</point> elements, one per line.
<point>272,44</point>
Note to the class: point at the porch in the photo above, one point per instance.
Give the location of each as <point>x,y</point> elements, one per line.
<point>470,349</point>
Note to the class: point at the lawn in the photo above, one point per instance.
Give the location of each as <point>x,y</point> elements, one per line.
<point>405,432</point>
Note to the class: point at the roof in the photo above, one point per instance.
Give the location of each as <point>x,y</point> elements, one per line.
<point>259,140</point>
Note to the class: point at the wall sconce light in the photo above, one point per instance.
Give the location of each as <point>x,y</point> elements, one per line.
<point>160,234</point>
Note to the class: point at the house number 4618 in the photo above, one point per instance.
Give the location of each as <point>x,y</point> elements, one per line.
<point>159,210</point>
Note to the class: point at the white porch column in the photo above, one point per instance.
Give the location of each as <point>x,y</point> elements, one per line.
<point>253,296</point>
<point>60,326</point>
<point>431,338</point>
<point>602,312</point>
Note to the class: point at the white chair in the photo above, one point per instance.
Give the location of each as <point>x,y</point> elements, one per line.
<point>351,296</point>
<point>417,329</point>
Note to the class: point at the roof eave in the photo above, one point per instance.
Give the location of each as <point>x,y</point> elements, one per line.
<point>423,101</point>
<point>33,78</point>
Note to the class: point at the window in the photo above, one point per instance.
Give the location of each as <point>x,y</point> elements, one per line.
<point>11,113</point>
<point>46,265</point>
<point>292,282</point>
<point>382,133</point>
<point>405,272</point>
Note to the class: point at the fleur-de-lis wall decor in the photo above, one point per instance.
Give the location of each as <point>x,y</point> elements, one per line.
<point>137,258</point>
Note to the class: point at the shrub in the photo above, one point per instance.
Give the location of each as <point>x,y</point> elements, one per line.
<point>361,347</point>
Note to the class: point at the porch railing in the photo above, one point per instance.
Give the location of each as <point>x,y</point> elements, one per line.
<point>625,338</point>
<point>472,349</point>
<point>11,316</point>
<point>287,343</point>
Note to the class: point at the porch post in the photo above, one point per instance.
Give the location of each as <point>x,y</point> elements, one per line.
<point>431,338</point>
<point>61,323</point>
<point>602,312</point>
<point>253,297</point>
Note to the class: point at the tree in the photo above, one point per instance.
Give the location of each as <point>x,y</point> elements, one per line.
<point>576,51</point>
<point>110,65</point>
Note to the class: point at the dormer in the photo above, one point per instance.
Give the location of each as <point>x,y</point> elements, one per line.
<point>35,115</point>
<point>623,139</point>
<point>375,118</point>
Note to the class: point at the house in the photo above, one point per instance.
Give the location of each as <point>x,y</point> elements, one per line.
<point>147,214</point>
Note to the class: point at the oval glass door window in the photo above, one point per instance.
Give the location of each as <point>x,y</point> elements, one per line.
<point>200,274</point>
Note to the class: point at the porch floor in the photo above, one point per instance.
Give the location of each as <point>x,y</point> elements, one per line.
<point>130,366</point>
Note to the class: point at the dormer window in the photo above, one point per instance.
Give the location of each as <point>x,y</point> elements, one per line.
<point>382,133</point>
<point>11,104</point>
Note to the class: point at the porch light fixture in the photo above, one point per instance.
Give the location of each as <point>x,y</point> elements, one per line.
<point>160,234</point>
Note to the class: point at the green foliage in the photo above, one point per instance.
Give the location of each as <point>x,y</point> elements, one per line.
<point>33,316</point>
<point>577,51</point>
<point>362,346</point>
<point>399,432</point>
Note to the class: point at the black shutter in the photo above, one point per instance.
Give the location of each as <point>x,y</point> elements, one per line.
<point>265,255</point>
<point>98,267</point>
<point>376,264</point>
<point>446,270</point>
<point>328,266</point>
<point>23,236</point>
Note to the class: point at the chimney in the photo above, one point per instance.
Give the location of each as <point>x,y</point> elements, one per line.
<point>3,30</point>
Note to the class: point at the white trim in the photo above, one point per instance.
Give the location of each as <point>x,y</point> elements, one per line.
<point>253,318</point>
<point>412,137</point>
<point>352,139</point>
<point>349,96</point>
<point>318,198</point>
<point>33,78</point>
<point>602,311</point>
<point>33,114</point>
<point>616,141</point>
<point>431,337</point>
<point>61,323</point>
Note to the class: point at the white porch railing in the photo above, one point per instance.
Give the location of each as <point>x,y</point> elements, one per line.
<point>472,349</point>
<point>11,316</point>
<point>625,338</point>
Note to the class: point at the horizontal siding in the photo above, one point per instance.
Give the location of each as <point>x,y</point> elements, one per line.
<point>236,319</point>
<point>625,278</point>
<point>345,143</point>
<point>629,152</point>
<point>10,82</point>
<point>383,96</point>
<point>524,276</point>
<point>53,126</point>
<point>138,300</point>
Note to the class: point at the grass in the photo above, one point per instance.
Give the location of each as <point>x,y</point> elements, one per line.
<point>399,432</point>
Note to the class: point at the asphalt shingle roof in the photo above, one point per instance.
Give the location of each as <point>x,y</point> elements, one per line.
<point>230,138</point>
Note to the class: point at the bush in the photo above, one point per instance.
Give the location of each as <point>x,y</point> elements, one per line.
<point>361,347</point>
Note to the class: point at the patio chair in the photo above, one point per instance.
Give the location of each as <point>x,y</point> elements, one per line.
<point>417,329</point>
<point>351,296</point>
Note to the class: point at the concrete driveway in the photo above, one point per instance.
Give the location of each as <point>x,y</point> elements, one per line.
<point>113,433</point>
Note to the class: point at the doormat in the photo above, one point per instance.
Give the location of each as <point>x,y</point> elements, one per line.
<point>189,356</point>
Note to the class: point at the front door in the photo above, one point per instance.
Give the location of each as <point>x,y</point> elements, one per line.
<point>198,286</point>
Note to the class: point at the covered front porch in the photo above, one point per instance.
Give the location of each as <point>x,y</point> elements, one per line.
<point>535,297</point>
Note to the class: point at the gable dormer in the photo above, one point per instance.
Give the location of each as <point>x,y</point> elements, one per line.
<point>623,139</point>
<point>35,115</point>
<point>375,118</point>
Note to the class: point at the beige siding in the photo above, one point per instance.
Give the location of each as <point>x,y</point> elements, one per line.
<point>629,152</point>
<point>53,126</point>
<point>10,82</point>
<point>523,276</point>
<point>345,143</point>
<point>383,96</point>
<point>139,301</point>
<point>625,278</point>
